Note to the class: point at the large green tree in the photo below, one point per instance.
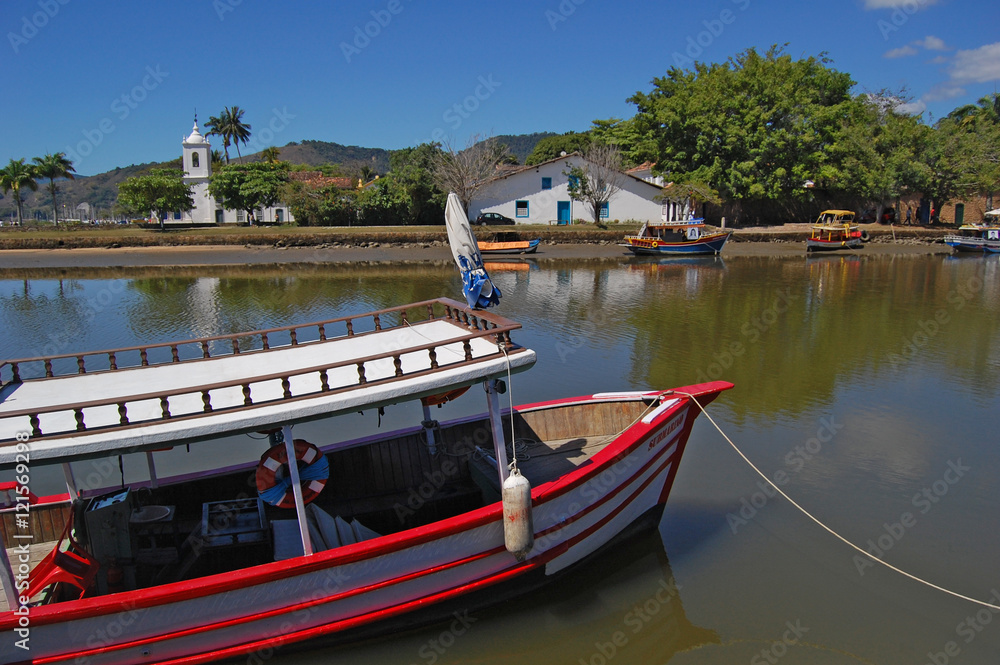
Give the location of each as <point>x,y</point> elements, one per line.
<point>962,153</point>
<point>754,128</point>
<point>160,191</point>
<point>53,166</point>
<point>248,187</point>
<point>875,157</point>
<point>16,177</point>
<point>553,146</point>
<point>412,171</point>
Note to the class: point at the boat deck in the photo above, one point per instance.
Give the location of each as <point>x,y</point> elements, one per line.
<point>115,408</point>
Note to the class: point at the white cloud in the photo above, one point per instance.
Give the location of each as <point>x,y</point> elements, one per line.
<point>910,5</point>
<point>912,108</point>
<point>932,43</point>
<point>900,52</point>
<point>977,65</point>
<point>944,91</point>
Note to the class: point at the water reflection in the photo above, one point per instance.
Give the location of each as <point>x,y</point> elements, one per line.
<point>899,353</point>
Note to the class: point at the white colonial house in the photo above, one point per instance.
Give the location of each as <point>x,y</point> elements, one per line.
<point>539,194</point>
<point>197,164</point>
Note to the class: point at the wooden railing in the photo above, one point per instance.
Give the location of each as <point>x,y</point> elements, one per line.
<point>479,324</point>
<point>11,371</point>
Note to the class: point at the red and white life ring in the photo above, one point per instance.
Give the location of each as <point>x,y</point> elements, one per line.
<point>274,483</point>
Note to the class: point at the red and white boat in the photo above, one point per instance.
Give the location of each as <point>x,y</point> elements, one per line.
<point>402,528</point>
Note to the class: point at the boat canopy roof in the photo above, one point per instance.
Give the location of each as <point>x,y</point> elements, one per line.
<point>838,213</point>
<point>101,403</point>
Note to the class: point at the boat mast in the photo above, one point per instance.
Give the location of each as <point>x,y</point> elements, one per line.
<point>499,449</point>
<point>300,505</point>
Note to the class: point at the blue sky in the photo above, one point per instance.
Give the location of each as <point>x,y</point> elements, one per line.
<point>117,83</point>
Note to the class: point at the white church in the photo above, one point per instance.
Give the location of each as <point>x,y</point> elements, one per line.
<point>197,165</point>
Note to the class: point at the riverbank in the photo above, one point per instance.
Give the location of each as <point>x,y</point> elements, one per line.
<point>228,255</point>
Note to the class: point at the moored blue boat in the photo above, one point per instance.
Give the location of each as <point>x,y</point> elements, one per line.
<point>982,237</point>
<point>672,238</point>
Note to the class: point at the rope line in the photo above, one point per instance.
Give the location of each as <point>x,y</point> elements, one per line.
<point>824,526</point>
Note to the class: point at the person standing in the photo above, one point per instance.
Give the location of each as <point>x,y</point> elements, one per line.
<point>909,215</point>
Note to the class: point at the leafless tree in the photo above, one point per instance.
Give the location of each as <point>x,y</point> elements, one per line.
<point>465,172</point>
<point>598,178</point>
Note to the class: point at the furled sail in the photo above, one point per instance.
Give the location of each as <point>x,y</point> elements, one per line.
<point>479,290</point>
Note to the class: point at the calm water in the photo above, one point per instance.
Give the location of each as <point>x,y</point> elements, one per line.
<point>866,387</point>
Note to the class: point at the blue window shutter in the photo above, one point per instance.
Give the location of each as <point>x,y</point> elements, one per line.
<point>546,183</point>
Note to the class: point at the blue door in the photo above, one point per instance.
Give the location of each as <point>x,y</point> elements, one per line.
<point>562,212</point>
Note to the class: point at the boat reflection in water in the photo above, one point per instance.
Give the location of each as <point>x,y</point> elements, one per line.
<point>624,607</point>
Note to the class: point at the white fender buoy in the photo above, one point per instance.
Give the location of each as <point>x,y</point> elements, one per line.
<point>518,529</point>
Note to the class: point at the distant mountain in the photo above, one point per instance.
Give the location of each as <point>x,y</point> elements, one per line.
<point>521,145</point>
<point>351,157</point>
<point>101,190</point>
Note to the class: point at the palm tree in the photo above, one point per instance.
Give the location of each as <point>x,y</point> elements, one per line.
<point>269,155</point>
<point>52,166</point>
<point>230,126</point>
<point>215,126</point>
<point>15,177</point>
<point>239,131</point>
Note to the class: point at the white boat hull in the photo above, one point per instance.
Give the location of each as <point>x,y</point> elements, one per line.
<point>368,584</point>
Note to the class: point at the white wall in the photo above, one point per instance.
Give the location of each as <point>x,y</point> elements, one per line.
<point>634,201</point>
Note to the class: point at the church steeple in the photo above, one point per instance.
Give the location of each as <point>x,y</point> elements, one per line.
<point>197,154</point>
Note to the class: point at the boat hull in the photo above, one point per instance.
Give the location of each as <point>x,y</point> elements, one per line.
<point>374,584</point>
<point>815,245</point>
<point>710,244</point>
<point>513,247</point>
<point>975,245</point>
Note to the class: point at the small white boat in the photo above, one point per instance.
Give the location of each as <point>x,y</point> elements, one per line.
<point>368,535</point>
<point>983,237</point>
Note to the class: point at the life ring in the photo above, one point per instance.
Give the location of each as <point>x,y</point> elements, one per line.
<point>655,244</point>
<point>274,482</point>
<point>441,398</point>
<point>865,236</point>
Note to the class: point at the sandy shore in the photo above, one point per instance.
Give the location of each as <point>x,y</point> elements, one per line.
<point>223,255</point>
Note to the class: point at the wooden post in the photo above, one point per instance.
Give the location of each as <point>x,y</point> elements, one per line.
<point>153,482</point>
<point>74,493</point>
<point>300,505</point>
<point>499,449</point>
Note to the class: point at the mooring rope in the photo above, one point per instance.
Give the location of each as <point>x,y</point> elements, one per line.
<point>824,526</point>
